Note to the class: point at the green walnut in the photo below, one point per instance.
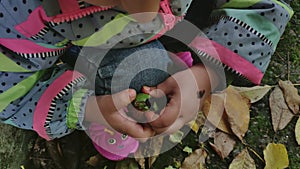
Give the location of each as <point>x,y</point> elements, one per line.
<point>143,102</point>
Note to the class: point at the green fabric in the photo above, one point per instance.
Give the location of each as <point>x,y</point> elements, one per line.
<point>289,10</point>
<point>48,46</point>
<point>10,66</point>
<point>107,32</point>
<point>240,4</point>
<point>258,22</point>
<point>62,43</point>
<point>8,121</point>
<point>19,90</point>
<point>74,108</point>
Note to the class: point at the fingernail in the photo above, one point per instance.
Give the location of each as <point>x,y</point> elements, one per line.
<point>131,93</point>
<point>146,89</point>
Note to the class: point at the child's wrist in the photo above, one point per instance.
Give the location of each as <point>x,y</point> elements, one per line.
<point>205,75</point>
<point>92,113</point>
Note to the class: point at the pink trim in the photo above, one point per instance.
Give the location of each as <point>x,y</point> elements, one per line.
<point>79,13</point>
<point>169,21</point>
<point>168,18</point>
<point>229,58</point>
<point>186,57</point>
<point>25,46</point>
<point>34,23</point>
<point>42,108</point>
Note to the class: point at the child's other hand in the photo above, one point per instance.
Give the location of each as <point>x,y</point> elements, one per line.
<point>186,91</point>
<point>113,114</point>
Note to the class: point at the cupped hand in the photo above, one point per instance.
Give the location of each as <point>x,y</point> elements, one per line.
<point>185,90</point>
<point>110,110</point>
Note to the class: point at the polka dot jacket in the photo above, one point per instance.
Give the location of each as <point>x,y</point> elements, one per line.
<point>37,93</point>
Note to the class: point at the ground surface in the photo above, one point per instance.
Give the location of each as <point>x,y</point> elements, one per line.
<point>18,147</point>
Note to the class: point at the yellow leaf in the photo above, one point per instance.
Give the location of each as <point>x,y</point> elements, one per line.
<point>187,149</point>
<point>255,93</point>
<point>196,160</point>
<point>297,131</point>
<point>223,144</point>
<point>176,137</point>
<point>281,114</point>
<point>213,109</point>
<point>243,161</point>
<point>237,109</point>
<point>198,122</point>
<point>276,156</point>
<point>291,95</point>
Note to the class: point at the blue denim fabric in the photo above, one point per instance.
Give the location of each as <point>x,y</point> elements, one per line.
<point>120,69</point>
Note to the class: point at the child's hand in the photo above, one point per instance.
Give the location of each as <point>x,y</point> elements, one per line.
<point>110,110</point>
<point>186,91</point>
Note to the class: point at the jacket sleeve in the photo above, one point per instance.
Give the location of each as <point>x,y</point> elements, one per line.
<point>36,92</point>
<point>244,35</point>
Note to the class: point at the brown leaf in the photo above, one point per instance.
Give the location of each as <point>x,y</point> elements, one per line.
<point>53,150</point>
<point>127,163</point>
<point>223,144</point>
<point>237,110</point>
<point>198,122</point>
<point>291,95</point>
<point>94,160</point>
<point>243,161</point>
<point>281,114</point>
<point>141,162</point>
<point>196,160</point>
<point>151,149</point>
<point>255,93</point>
<point>213,109</point>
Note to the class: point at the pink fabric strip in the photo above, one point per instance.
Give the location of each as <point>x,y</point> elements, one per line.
<point>229,58</point>
<point>75,14</point>
<point>42,108</point>
<point>24,46</point>
<point>34,23</point>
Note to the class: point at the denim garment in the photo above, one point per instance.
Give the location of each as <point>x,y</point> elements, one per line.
<point>118,69</point>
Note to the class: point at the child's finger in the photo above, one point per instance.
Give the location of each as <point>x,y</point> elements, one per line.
<point>153,91</point>
<point>132,128</point>
<point>163,89</point>
<point>177,125</point>
<point>167,117</point>
<point>139,116</point>
<point>115,102</point>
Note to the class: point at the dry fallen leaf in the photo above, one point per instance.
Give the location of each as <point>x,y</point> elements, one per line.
<point>213,109</point>
<point>297,131</point>
<point>198,122</point>
<point>255,93</point>
<point>141,162</point>
<point>237,109</point>
<point>196,160</point>
<point>127,163</point>
<point>276,156</point>
<point>291,95</point>
<point>150,149</point>
<point>243,161</point>
<point>281,114</point>
<point>223,144</point>
<point>187,149</point>
<point>176,137</point>
<point>94,160</point>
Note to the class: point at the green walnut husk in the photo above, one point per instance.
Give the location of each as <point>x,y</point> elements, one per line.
<point>142,103</point>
